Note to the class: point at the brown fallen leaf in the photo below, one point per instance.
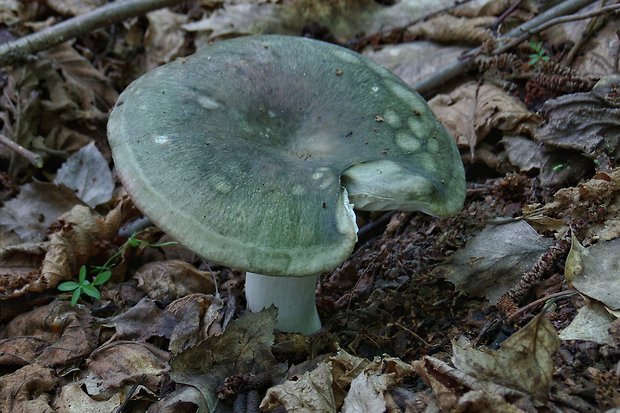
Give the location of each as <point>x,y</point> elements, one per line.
<point>88,175</point>
<point>243,348</point>
<point>199,317</point>
<point>72,399</point>
<point>35,209</point>
<point>524,362</point>
<point>27,390</point>
<point>451,29</point>
<point>81,236</point>
<point>73,7</point>
<point>164,37</point>
<point>459,392</point>
<point>592,271</point>
<point>309,393</point>
<point>118,365</point>
<point>588,123</point>
<point>472,111</point>
<point>494,259</point>
<point>20,267</point>
<point>576,202</point>
<point>592,323</point>
<point>54,335</point>
<point>143,321</point>
<point>168,280</point>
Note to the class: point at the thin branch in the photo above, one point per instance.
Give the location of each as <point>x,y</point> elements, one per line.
<point>554,22</point>
<point>35,159</point>
<point>461,66</point>
<point>109,14</point>
<point>542,300</point>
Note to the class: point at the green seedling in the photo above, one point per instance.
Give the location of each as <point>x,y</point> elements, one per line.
<point>85,286</point>
<point>102,273</point>
<point>539,55</point>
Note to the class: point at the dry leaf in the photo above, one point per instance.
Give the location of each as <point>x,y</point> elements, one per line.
<point>79,238</point>
<point>585,122</point>
<point>591,323</point>
<point>55,335</point>
<point>72,399</point>
<point>85,85</point>
<point>414,61</point>
<point>38,205</point>
<point>143,321</point>
<point>450,29</point>
<point>343,19</point>
<point>164,37</point>
<point>522,152</point>
<point>310,393</point>
<point>121,364</point>
<point>592,271</point>
<point>576,202</point>
<point>199,317</point>
<point>20,267</point>
<point>458,392</point>
<point>168,280</point>
<point>243,348</point>
<point>472,111</point>
<point>369,389</point>
<point>494,260</point>
<point>27,390</point>
<point>9,12</point>
<point>87,173</point>
<point>74,7</point>
<point>524,362</point>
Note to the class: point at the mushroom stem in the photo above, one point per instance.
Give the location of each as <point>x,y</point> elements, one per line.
<point>294,297</point>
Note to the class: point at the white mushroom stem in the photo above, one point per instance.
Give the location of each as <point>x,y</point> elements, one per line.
<point>294,297</point>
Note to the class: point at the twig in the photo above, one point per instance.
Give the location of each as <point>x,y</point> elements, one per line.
<point>461,66</point>
<point>111,13</point>
<point>35,159</point>
<point>554,296</point>
<point>514,6</point>
<point>554,22</point>
<point>593,26</point>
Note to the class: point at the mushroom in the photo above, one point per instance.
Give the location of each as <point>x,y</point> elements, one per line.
<point>253,152</point>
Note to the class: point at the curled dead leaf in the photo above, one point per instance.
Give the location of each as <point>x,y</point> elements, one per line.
<point>121,364</point>
<point>446,28</point>
<point>168,280</point>
<point>472,111</point>
<point>27,390</point>
<point>79,238</point>
<point>54,335</point>
<point>524,362</point>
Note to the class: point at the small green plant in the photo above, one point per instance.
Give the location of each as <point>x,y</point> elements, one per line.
<point>539,55</point>
<point>85,286</point>
<point>102,273</point>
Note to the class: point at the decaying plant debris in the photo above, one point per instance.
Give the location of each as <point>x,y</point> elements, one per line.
<point>511,306</point>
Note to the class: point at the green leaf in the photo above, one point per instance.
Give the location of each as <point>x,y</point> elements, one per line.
<point>91,291</point>
<point>68,286</point>
<point>536,46</point>
<point>134,242</point>
<point>82,275</point>
<point>76,296</point>
<point>102,278</point>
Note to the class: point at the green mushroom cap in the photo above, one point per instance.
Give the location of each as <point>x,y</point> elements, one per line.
<point>252,151</point>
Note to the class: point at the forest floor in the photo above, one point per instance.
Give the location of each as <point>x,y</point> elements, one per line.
<point>510,306</point>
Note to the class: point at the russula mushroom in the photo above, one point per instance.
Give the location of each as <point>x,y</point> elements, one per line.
<point>253,152</point>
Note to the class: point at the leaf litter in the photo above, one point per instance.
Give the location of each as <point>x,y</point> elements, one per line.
<point>414,320</point>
